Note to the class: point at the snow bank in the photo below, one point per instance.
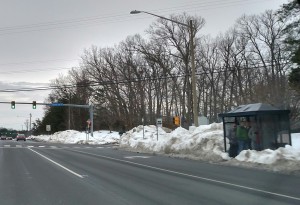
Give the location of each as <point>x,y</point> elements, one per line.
<point>268,156</point>
<point>202,143</point>
<point>207,143</point>
<point>75,137</point>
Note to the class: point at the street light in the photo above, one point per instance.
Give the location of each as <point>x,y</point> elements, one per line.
<point>192,49</point>
<point>27,122</point>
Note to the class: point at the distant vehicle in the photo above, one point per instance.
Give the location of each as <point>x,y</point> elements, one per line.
<point>21,137</point>
<point>3,137</point>
<point>9,138</point>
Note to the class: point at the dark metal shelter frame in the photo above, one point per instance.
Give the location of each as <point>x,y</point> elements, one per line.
<point>273,124</point>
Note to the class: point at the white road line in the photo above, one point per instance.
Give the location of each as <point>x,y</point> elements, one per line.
<point>193,176</point>
<point>6,145</point>
<point>30,146</point>
<point>19,146</point>
<point>65,168</point>
<point>133,157</point>
<point>41,146</point>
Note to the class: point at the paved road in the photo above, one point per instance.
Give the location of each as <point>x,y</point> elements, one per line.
<point>42,173</point>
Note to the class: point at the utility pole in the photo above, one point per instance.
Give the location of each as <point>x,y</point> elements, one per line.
<point>191,29</point>
<point>30,122</point>
<point>69,120</point>
<point>26,123</point>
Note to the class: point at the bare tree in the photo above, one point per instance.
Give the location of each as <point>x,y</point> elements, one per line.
<point>176,38</point>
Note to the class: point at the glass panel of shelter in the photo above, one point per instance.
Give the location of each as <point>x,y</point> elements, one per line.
<point>272,130</point>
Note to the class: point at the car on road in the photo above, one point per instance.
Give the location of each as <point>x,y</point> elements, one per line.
<point>3,137</point>
<point>9,138</point>
<point>21,137</point>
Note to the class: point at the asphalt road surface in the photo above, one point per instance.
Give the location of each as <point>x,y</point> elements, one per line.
<point>43,173</point>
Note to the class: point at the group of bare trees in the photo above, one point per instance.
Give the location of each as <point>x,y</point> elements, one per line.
<point>146,77</point>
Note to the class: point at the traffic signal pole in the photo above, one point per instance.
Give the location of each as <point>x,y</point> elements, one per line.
<point>90,107</point>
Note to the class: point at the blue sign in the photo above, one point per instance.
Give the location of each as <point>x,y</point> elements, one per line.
<point>56,104</point>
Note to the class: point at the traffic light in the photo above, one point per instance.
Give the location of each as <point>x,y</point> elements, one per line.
<point>34,104</point>
<point>13,104</point>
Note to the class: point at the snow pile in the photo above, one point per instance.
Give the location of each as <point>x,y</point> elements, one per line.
<point>207,143</point>
<point>285,159</point>
<point>269,156</point>
<point>202,143</point>
<point>75,137</point>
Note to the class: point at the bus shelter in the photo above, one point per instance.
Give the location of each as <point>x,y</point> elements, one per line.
<point>272,124</point>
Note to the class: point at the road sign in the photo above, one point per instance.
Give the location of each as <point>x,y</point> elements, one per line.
<point>48,128</point>
<point>176,120</point>
<point>159,122</point>
<point>56,104</point>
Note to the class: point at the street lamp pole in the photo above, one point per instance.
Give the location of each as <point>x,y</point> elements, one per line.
<point>69,120</point>
<point>30,122</point>
<point>192,50</point>
<point>193,77</point>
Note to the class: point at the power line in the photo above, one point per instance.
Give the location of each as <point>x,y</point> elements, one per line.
<point>193,5</point>
<point>35,62</point>
<point>55,68</point>
<point>133,80</point>
<point>32,70</point>
<point>113,18</point>
<point>213,5</point>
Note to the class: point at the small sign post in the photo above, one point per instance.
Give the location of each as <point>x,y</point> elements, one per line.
<point>143,128</point>
<point>48,129</point>
<point>158,124</point>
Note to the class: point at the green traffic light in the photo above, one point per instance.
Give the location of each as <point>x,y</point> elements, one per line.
<point>33,104</point>
<point>13,104</point>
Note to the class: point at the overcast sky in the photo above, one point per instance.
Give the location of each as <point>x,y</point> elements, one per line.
<point>41,39</point>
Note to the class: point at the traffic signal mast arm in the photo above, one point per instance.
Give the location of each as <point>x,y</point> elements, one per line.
<point>34,103</point>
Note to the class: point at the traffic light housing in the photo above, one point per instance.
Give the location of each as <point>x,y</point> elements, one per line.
<point>33,104</point>
<point>13,104</point>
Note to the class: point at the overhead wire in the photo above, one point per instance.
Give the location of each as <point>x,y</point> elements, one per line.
<point>33,70</point>
<point>103,18</point>
<point>113,18</point>
<point>133,80</point>
<point>216,5</point>
<point>35,62</point>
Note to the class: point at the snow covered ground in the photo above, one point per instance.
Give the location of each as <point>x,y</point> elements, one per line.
<point>75,137</point>
<point>204,143</point>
